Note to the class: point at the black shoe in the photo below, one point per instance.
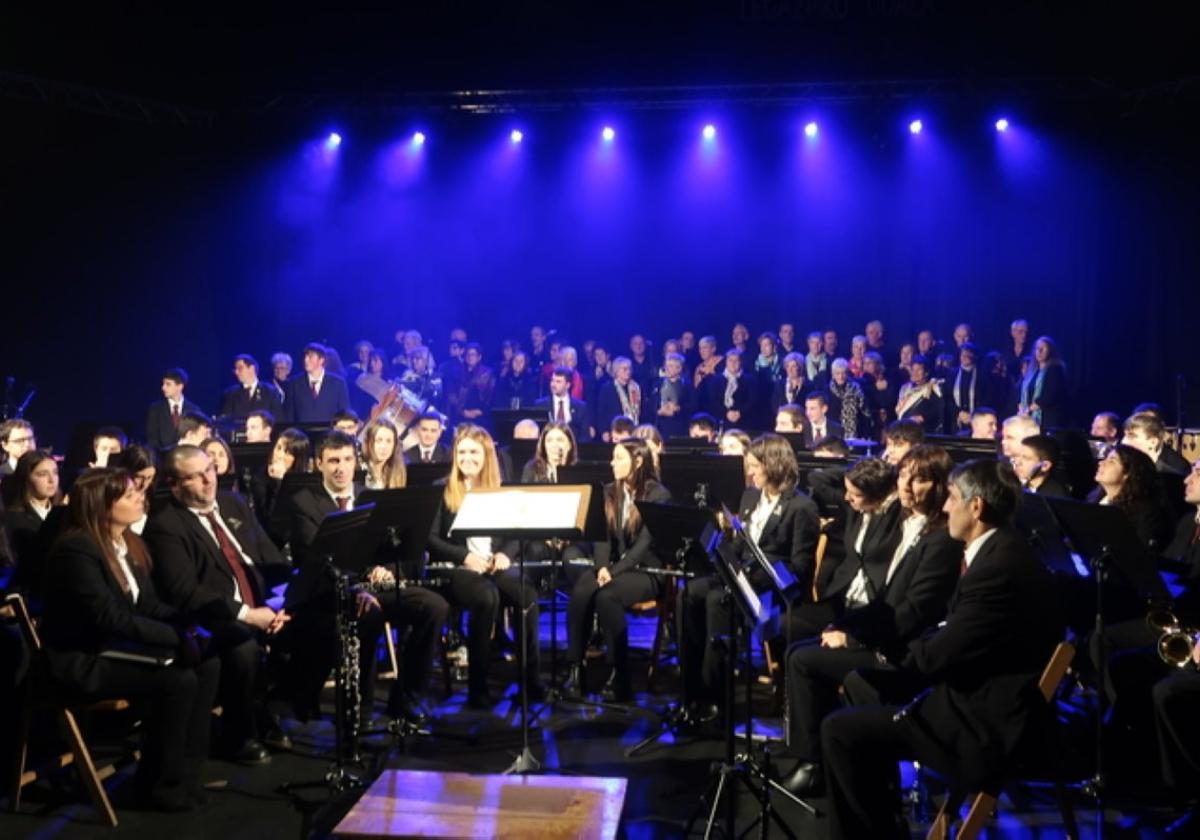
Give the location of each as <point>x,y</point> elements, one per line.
<point>617,689</point>
<point>406,709</point>
<point>806,779</point>
<point>278,740</point>
<point>702,713</point>
<point>250,753</point>
<point>573,686</point>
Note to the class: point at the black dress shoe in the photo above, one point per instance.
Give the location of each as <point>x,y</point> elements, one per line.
<point>278,740</point>
<point>806,779</point>
<point>250,753</point>
<point>407,709</point>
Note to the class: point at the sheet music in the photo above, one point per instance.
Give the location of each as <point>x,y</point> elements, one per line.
<point>518,509</point>
<point>749,595</point>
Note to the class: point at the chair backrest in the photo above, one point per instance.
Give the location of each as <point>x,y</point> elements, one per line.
<point>17,602</point>
<point>1056,668</point>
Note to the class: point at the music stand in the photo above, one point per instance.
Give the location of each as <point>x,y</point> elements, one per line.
<point>688,534</point>
<point>1036,520</point>
<point>405,516</point>
<point>542,512</point>
<point>505,419</point>
<point>596,451</point>
<point>1105,536</point>
<point>796,439</point>
<point>745,607</point>
<point>711,480</point>
<point>423,475</point>
<point>521,452</point>
<point>690,446</point>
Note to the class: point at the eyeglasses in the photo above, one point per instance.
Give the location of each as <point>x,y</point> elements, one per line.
<point>26,439</point>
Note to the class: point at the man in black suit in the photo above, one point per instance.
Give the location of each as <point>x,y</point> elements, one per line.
<point>249,394</point>
<point>1036,466</point>
<point>816,409</point>
<point>210,554</point>
<point>981,666</point>
<point>163,416</point>
<point>920,578</point>
<point>16,438</point>
<point>421,610</point>
<point>560,407</point>
<point>429,449</point>
<point>316,395</point>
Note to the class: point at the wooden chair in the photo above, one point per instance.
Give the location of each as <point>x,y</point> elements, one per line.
<point>664,606</point>
<point>984,802</point>
<point>768,657</point>
<point>91,775</point>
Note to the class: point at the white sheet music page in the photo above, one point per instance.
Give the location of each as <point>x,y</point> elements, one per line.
<point>517,509</point>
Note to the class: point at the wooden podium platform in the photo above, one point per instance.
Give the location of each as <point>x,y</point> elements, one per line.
<point>410,803</point>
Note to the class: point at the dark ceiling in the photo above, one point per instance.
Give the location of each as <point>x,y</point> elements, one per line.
<point>275,57</point>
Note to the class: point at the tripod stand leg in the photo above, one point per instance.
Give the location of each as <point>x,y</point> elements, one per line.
<point>716,804</point>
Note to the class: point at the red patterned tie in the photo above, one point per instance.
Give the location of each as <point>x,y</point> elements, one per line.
<point>559,414</point>
<point>175,415</point>
<point>312,386</point>
<point>343,502</point>
<point>233,559</point>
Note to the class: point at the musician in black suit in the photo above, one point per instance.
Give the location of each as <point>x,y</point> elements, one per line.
<point>1036,464</point>
<point>316,395</point>
<point>855,578</point>
<point>210,555</point>
<point>1144,430</point>
<point>816,409</point>
<point>421,610</point>
<point>35,492</point>
<point>249,394</point>
<point>100,597</point>
<point>482,575</point>
<point>163,416</point>
<point>560,407</point>
<point>730,394</point>
<point>982,665</point>
<point>429,450</point>
<point>619,580</point>
<point>785,524</point>
<point>921,576</point>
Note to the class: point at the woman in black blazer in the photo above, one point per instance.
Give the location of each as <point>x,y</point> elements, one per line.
<point>482,573</point>
<point>785,524</point>
<point>99,599</point>
<point>619,580</point>
<point>35,492</point>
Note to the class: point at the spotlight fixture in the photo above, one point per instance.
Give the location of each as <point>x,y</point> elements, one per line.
<point>915,127</point>
<point>1002,124</point>
<point>608,134</point>
<point>516,136</point>
<point>710,132</point>
<point>418,138</point>
<point>333,140</point>
<point>810,130</point>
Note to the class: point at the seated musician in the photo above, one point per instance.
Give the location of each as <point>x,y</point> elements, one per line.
<point>429,449</point>
<point>1145,431</point>
<point>1014,430</point>
<point>421,610</point>
<point>620,428</point>
<point>221,454</point>
<point>980,666</point>
<point>984,424</point>
<point>620,579</point>
<point>703,426</point>
<point>100,597</point>
<point>35,491</point>
<point>347,421</point>
<point>194,429</point>
<point>1125,478</point>
<point>384,459</point>
<point>210,555</point>
<point>921,575</point>
<point>482,577</point>
<point>785,525</point>
<point>555,448</point>
<point>1107,427</point>
<point>1037,466</point>
<point>899,438</point>
<point>108,440</point>
<point>258,427</point>
<point>816,411</point>
<point>789,418</point>
<point>141,463</point>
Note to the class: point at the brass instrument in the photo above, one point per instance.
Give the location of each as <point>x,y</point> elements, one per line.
<point>1176,643</point>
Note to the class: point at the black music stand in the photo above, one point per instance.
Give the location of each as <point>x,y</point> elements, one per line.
<point>688,534</point>
<point>1106,538</point>
<point>1036,520</point>
<point>711,480</point>
<point>745,608</point>
<point>422,475</point>
<point>596,451</point>
<point>336,542</point>
<point>482,523</point>
<point>522,452</point>
<point>690,446</point>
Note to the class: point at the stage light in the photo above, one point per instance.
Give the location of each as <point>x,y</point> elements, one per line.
<point>608,134</point>
<point>710,132</point>
<point>516,136</point>
<point>810,130</point>
<point>915,127</point>
<point>1002,124</point>
<point>418,138</point>
<point>333,140</point>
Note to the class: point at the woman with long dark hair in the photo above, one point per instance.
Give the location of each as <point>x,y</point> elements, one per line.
<point>100,601</point>
<point>482,574</point>
<point>619,580</point>
<point>35,492</point>
<point>383,455</point>
<point>1126,479</point>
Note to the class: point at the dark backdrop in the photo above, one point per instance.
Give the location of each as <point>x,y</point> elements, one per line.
<point>129,248</point>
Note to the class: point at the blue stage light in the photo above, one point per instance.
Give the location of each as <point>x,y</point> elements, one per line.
<point>915,127</point>
<point>810,130</point>
<point>516,136</point>
<point>609,134</point>
<point>710,132</point>
<point>1002,124</point>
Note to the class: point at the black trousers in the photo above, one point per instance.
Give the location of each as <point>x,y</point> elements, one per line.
<point>482,596</point>
<point>423,613</point>
<point>175,704</point>
<point>1177,724</point>
<point>239,648</point>
<point>862,748</point>
<point>702,614</point>
<point>813,676</point>
<point>609,604</point>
